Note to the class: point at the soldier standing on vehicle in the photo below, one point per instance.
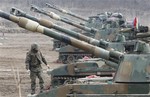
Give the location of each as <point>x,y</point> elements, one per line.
<point>34,59</point>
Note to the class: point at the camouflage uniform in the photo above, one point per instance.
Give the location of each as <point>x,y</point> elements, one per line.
<point>34,59</point>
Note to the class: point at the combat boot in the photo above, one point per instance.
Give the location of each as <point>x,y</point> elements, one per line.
<point>41,90</point>
<point>32,92</point>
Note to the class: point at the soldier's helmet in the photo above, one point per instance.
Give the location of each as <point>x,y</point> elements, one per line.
<point>34,47</point>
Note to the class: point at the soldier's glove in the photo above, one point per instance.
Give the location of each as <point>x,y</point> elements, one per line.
<point>28,71</point>
<point>48,66</point>
<point>27,66</point>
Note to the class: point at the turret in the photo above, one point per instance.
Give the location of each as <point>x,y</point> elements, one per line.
<point>65,11</point>
<point>132,68</point>
<point>59,18</point>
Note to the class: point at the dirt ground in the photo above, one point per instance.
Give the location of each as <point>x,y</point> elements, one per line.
<point>13,48</point>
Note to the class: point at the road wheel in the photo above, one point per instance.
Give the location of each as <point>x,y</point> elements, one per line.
<point>56,45</point>
<point>62,44</point>
<point>79,57</point>
<point>62,58</point>
<point>55,82</point>
<point>70,59</point>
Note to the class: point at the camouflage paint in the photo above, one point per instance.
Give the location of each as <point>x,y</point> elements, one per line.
<point>98,89</point>
<point>65,12</point>
<point>133,69</point>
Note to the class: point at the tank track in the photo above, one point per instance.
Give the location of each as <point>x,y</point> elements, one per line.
<point>58,44</point>
<point>60,80</point>
<point>72,57</point>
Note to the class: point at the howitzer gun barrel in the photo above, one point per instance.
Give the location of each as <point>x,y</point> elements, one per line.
<point>59,18</point>
<point>36,27</point>
<point>94,70</point>
<point>65,12</point>
<point>111,64</point>
<point>18,12</point>
<point>126,30</point>
<point>49,24</point>
<point>142,29</point>
<point>142,35</point>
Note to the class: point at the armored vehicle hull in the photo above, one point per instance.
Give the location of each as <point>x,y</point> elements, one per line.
<point>97,90</point>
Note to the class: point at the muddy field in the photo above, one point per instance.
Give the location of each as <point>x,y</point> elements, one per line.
<point>13,48</point>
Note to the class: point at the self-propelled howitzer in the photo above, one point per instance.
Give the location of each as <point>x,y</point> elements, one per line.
<point>132,76</point>
<point>95,21</point>
<point>100,43</point>
<point>92,21</point>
